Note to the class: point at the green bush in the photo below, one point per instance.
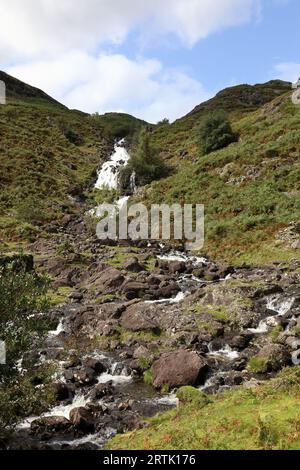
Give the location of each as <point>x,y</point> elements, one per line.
<point>22,294</point>
<point>215,133</point>
<point>145,162</point>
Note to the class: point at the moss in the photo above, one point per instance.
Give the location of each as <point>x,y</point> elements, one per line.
<point>192,395</point>
<point>258,365</point>
<point>59,296</point>
<point>276,332</point>
<point>144,363</point>
<point>148,377</point>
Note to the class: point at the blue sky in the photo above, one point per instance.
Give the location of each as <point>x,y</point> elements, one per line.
<point>150,58</point>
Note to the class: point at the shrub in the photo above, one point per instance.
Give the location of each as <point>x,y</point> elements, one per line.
<point>215,133</point>
<point>145,162</point>
<point>72,136</point>
<point>22,294</point>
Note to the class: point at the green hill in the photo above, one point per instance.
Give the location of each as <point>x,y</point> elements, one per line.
<point>47,154</point>
<point>250,188</point>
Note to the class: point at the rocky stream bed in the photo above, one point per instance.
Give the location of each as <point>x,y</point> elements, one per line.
<point>142,320</point>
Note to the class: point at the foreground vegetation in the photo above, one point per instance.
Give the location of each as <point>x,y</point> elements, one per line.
<point>266,417</point>
<point>23,296</point>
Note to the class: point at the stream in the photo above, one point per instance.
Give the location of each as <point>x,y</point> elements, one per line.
<point>117,410</point>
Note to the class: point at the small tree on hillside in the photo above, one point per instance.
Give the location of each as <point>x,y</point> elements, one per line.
<point>145,162</point>
<point>215,133</point>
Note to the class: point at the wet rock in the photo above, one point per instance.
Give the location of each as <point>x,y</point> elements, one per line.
<point>61,391</point>
<point>179,368</point>
<point>51,424</point>
<point>95,364</point>
<point>177,267</point>
<point>84,377</point>
<point>102,390</point>
<point>166,292</point>
<point>241,341</point>
<point>82,419</point>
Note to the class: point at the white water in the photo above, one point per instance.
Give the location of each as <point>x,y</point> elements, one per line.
<point>226,351</point>
<point>59,329</point>
<point>108,176</point>
<point>116,378</point>
<point>168,400</point>
<point>281,306</point>
<point>211,381</point>
<point>175,300</point>
<point>60,410</point>
<point>97,439</point>
<point>178,256</point>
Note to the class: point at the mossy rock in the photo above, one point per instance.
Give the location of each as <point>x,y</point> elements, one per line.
<point>192,395</point>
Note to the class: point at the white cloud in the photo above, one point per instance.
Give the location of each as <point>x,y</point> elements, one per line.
<point>55,44</point>
<point>33,28</point>
<point>289,71</point>
<point>114,83</point>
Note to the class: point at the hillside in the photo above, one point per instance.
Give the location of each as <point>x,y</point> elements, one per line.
<point>251,188</point>
<point>110,328</point>
<point>48,154</point>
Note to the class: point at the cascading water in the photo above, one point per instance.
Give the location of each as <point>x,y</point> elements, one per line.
<point>108,176</point>
<point>280,305</point>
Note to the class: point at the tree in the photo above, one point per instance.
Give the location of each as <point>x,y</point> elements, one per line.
<point>215,133</point>
<point>145,162</point>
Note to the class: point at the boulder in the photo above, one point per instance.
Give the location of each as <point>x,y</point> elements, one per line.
<point>176,369</point>
<point>273,357</point>
<point>95,364</point>
<point>134,289</point>
<point>137,318</point>
<point>177,267</point>
<point>82,419</point>
<point>84,377</point>
<point>61,391</point>
<point>133,265</point>
<point>102,390</point>
<point>51,424</point>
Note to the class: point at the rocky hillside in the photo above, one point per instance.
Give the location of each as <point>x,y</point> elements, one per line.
<point>135,329</point>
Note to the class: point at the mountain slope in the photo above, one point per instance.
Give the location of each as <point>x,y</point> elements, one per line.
<point>16,89</point>
<point>179,138</point>
<point>47,154</point>
<point>250,189</point>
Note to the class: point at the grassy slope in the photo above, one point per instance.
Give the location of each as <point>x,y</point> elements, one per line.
<point>41,164</point>
<point>249,189</point>
<point>267,417</point>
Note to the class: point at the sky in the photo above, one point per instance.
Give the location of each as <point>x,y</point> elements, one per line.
<point>154,59</point>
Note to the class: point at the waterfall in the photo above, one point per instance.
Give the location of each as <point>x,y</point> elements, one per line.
<point>108,176</point>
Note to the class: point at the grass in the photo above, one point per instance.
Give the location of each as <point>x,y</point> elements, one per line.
<point>267,417</point>
<point>247,189</point>
<point>219,313</point>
